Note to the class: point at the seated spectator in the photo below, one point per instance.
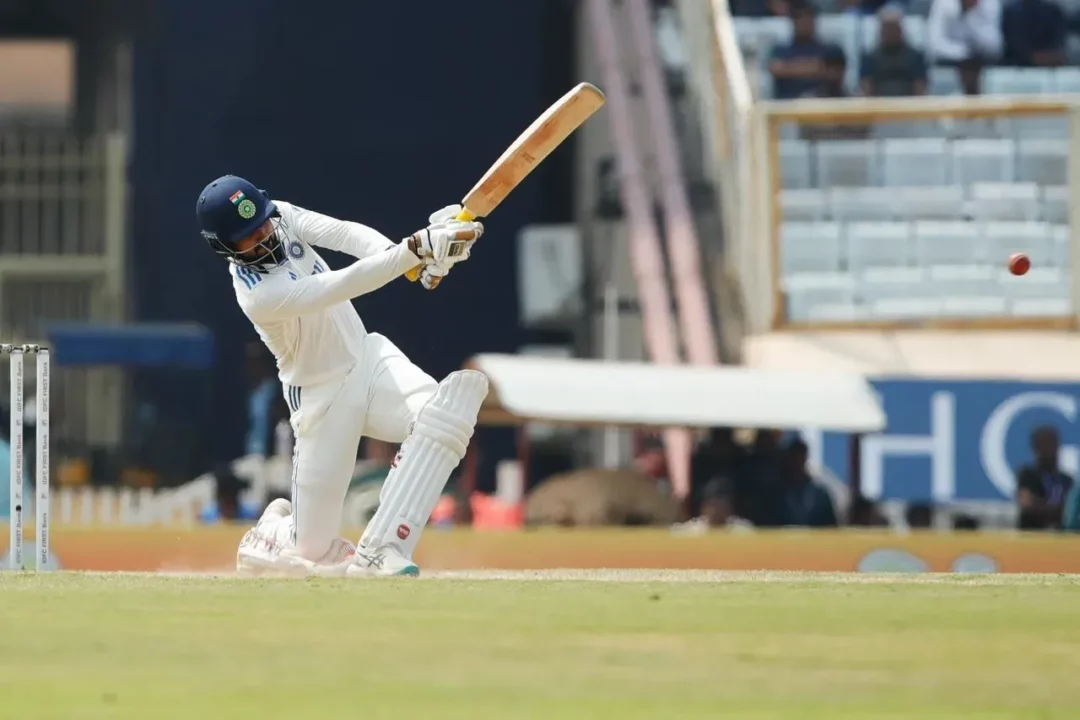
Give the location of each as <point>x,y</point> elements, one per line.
<point>651,459</point>
<point>965,34</point>
<point>872,7</point>
<point>1041,488</point>
<point>965,523</point>
<point>833,72</point>
<point>802,502</point>
<point>1034,33</point>
<point>799,69</point>
<point>717,511</point>
<point>717,507</point>
<point>759,8</point>
<point>894,68</point>
<point>864,513</point>
<point>718,459</point>
<point>919,516</point>
<point>835,69</point>
<point>762,477</point>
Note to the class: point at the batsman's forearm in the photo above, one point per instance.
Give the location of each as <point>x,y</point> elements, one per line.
<point>363,276</point>
<point>361,241</point>
<point>370,273</point>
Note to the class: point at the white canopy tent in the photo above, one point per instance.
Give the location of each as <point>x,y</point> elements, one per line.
<point>1028,355</point>
<point>592,392</point>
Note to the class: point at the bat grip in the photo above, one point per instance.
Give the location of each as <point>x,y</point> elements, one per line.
<point>465,216</point>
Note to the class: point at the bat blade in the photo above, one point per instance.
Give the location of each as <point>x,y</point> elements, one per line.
<point>546,133</point>
<point>530,148</point>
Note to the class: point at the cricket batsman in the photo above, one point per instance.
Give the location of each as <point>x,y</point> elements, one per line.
<point>340,381</point>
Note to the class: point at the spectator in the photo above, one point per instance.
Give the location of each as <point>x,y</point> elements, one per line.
<point>1034,33</point>
<point>1041,488</point>
<point>651,460</point>
<point>833,72</point>
<point>965,34</point>
<point>832,86</point>
<point>919,516</point>
<point>759,8</point>
<point>763,478</point>
<point>717,511</point>
<point>864,513</point>
<point>894,68</point>
<point>717,460</point>
<point>718,508</point>
<point>802,502</point>
<point>872,7</point>
<point>965,523</point>
<point>799,69</point>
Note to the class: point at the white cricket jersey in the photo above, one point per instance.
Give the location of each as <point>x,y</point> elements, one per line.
<point>301,309</point>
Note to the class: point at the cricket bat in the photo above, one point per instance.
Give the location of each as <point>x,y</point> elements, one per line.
<point>546,133</point>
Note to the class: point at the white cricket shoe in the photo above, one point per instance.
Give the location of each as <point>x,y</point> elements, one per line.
<point>266,550</point>
<point>280,508</point>
<point>383,561</point>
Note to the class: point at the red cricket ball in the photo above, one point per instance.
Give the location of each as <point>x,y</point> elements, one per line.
<point>1019,263</point>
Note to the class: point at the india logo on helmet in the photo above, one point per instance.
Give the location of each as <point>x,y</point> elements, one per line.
<point>244,206</point>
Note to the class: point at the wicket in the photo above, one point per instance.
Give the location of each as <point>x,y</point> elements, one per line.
<point>15,354</point>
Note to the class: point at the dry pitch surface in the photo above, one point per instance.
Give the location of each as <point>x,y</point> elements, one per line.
<point>559,644</point>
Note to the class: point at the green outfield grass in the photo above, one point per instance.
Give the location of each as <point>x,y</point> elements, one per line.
<point>766,645</point>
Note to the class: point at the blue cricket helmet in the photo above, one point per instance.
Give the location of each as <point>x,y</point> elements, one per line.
<point>229,209</point>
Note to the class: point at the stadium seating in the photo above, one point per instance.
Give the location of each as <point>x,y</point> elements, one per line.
<point>858,35</point>
<point>861,253</point>
<point>917,219</point>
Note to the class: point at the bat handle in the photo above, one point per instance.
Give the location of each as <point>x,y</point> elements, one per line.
<point>465,216</point>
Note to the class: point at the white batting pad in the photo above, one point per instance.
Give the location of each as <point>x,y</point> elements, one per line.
<point>433,449</point>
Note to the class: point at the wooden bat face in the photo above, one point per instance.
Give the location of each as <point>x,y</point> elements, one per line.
<point>545,134</point>
<point>531,147</point>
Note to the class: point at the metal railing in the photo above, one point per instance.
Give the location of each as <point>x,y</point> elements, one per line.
<point>62,258</point>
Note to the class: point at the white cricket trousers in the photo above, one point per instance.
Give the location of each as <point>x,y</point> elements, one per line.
<point>379,398</point>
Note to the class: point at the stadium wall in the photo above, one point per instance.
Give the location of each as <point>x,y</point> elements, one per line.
<point>213,549</point>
